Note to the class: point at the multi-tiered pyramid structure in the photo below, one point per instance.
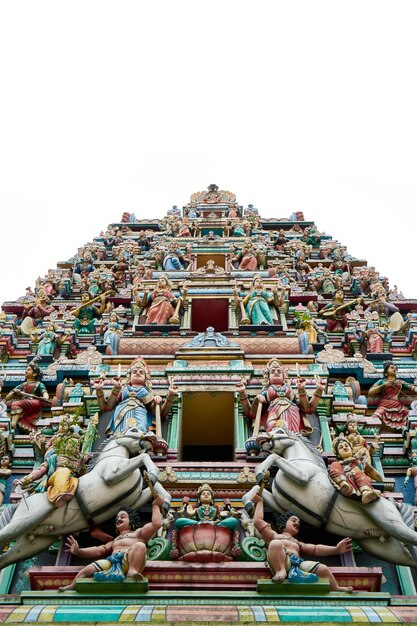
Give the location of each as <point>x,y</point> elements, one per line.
<point>207,357</point>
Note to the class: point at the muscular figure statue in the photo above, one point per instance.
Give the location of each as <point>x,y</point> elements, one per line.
<point>284,549</point>
<point>124,556</point>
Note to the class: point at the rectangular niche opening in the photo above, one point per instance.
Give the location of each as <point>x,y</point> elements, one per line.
<point>207,426</point>
<point>219,259</point>
<point>207,312</point>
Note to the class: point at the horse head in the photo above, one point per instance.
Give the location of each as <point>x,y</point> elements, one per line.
<point>276,441</point>
<point>136,441</point>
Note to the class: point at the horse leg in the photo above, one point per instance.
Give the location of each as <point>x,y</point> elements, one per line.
<point>294,473</point>
<point>27,516</point>
<point>263,467</point>
<point>267,495</point>
<point>247,499</point>
<point>124,468</point>
<point>24,549</point>
<point>390,550</point>
<point>299,476</point>
<point>271,502</point>
<point>389,519</point>
<point>151,468</point>
<point>146,496</point>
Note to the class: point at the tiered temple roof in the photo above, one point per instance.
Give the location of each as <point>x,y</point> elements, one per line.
<point>208,297</point>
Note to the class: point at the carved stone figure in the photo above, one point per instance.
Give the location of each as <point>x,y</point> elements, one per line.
<point>303,484</point>
<point>282,405</point>
<point>335,312</point>
<point>32,315</point>
<point>284,550</point>
<point>125,555</point>
<point>114,478</point>
<point>48,340</point>
<point>390,409</point>
<point>134,403</point>
<point>112,333</point>
<point>205,511</point>
<point>247,257</point>
<point>257,304</point>
<point>205,533</point>
<point>87,314</point>
<point>5,473</point>
<point>63,463</point>
<point>28,398</point>
<point>360,448</point>
<point>161,302</point>
<point>347,473</point>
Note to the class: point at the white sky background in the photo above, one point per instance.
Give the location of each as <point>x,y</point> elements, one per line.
<point>114,106</point>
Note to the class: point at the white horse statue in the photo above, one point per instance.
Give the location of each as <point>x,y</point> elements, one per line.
<point>113,480</point>
<point>302,485</point>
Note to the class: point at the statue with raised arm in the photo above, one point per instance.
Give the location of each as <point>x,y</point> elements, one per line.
<point>87,314</point>
<point>258,304</point>
<point>28,398</point>
<point>134,403</point>
<point>205,511</point>
<point>360,448</point>
<point>62,465</point>
<point>281,404</point>
<point>347,473</point>
<point>285,550</point>
<point>390,409</point>
<point>124,556</point>
<point>161,302</point>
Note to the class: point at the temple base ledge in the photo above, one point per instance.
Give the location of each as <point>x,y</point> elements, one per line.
<point>126,586</point>
<point>287,588</point>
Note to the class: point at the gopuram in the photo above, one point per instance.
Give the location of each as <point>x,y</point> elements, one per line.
<point>247,387</point>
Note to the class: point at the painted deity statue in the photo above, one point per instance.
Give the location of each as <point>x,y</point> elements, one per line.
<point>390,409</point>
<point>160,302</point>
<point>125,555</point>
<point>281,405</point>
<point>307,330</point>
<point>205,511</point>
<point>27,399</point>
<point>134,403</point>
<point>62,465</point>
<point>258,302</point>
<point>48,340</point>
<point>5,473</point>
<point>328,282</point>
<point>347,473</point>
<point>285,550</point>
<point>87,314</point>
<point>33,315</point>
<point>360,448</point>
<point>184,229</point>
<point>335,312</point>
<point>381,306</point>
<point>174,260</point>
<point>247,257</point>
<point>112,333</point>
<point>119,270</point>
<point>373,336</point>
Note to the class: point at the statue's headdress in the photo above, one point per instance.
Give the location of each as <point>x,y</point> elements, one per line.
<point>142,362</point>
<point>274,362</point>
<point>169,284</point>
<point>204,487</point>
<point>256,277</point>
<point>337,441</point>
